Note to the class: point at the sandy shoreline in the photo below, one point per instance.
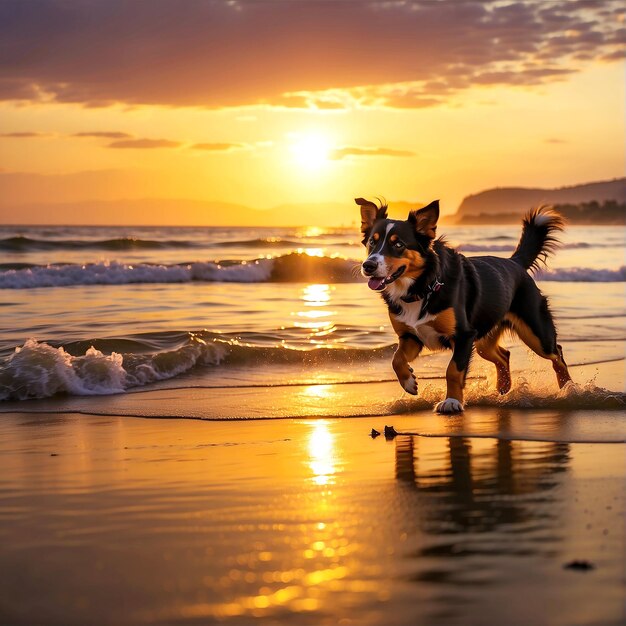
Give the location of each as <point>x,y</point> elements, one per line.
<point>265,504</point>
<point>114,520</point>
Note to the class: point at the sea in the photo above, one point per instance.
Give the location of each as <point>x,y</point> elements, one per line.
<point>90,311</point>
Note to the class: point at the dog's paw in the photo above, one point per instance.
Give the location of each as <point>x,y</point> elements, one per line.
<point>449,405</point>
<point>410,385</point>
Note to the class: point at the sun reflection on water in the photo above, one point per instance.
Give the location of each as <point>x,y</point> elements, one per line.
<point>316,295</point>
<point>315,320</point>
<point>321,449</point>
<point>318,252</point>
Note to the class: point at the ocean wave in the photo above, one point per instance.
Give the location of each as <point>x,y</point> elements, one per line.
<point>40,370</point>
<point>293,267</point>
<point>23,244</point>
<point>481,247</point>
<point>113,273</point>
<point>28,244</point>
<point>20,243</point>
<point>279,242</point>
<point>289,268</point>
<point>584,275</point>
<point>266,242</point>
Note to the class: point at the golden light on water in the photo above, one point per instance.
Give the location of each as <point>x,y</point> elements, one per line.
<point>313,296</point>
<point>321,448</point>
<point>316,295</point>
<point>319,252</point>
<point>314,314</point>
<point>312,231</point>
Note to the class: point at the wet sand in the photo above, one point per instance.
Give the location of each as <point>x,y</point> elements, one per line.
<point>118,520</point>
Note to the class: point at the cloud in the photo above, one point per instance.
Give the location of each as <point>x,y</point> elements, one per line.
<point>218,53</point>
<point>217,147</point>
<point>348,151</point>
<point>555,140</point>
<point>145,143</point>
<point>104,135</point>
<point>24,135</point>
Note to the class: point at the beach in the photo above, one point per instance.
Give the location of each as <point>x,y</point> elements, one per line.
<point>118,520</point>
<point>186,426</point>
<point>247,252</point>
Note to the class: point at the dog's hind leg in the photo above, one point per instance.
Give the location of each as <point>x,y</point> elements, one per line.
<point>489,349</point>
<point>531,319</point>
<point>409,347</point>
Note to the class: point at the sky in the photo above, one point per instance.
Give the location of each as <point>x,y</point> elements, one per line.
<point>274,104</point>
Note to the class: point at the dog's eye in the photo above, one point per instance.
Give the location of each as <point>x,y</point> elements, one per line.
<point>372,241</point>
<point>398,245</point>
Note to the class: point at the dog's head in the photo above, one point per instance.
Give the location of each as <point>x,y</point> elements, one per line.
<point>396,250</point>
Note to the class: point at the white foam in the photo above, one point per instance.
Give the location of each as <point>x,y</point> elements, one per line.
<point>113,273</point>
<point>523,395</point>
<point>38,370</point>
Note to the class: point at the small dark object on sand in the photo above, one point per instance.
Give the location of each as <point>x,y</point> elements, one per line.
<point>581,566</point>
<point>390,432</point>
<point>374,433</point>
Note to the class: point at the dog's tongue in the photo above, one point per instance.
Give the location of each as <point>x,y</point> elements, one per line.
<point>375,283</point>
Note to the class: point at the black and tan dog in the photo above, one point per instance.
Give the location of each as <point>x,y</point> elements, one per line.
<point>441,299</point>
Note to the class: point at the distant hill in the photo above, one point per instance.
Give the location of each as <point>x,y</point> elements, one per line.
<point>506,203</point>
<point>592,213</point>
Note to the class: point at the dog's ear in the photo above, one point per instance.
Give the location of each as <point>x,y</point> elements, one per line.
<point>370,212</point>
<point>425,220</point>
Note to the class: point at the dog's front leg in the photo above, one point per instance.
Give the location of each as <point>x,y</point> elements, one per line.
<point>409,347</point>
<point>456,373</point>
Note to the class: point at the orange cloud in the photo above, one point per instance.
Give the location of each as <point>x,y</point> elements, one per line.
<point>103,134</point>
<point>214,54</point>
<point>217,147</point>
<point>145,143</point>
<point>24,135</point>
<point>348,151</point>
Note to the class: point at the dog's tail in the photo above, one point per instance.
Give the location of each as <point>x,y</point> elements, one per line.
<point>538,240</point>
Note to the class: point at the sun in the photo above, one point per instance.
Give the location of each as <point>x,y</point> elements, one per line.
<point>311,151</point>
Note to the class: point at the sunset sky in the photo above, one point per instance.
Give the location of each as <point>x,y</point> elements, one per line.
<point>272,103</point>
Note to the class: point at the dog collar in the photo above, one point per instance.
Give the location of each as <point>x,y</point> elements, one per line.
<point>434,287</point>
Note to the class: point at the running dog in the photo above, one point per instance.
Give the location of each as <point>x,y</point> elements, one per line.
<point>440,299</point>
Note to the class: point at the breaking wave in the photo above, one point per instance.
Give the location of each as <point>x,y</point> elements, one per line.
<point>289,268</point>
<point>265,242</point>
<point>28,244</point>
<point>20,243</point>
<point>293,267</point>
<point>40,370</point>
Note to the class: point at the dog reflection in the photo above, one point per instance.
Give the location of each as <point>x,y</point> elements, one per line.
<point>501,483</point>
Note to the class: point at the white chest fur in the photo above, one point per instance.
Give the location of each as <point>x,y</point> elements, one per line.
<point>421,327</point>
<point>410,316</point>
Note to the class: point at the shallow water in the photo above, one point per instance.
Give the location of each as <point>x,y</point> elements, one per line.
<point>153,304</point>
<point>260,506</point>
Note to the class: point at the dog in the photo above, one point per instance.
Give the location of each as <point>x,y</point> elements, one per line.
<point>441,299</point>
